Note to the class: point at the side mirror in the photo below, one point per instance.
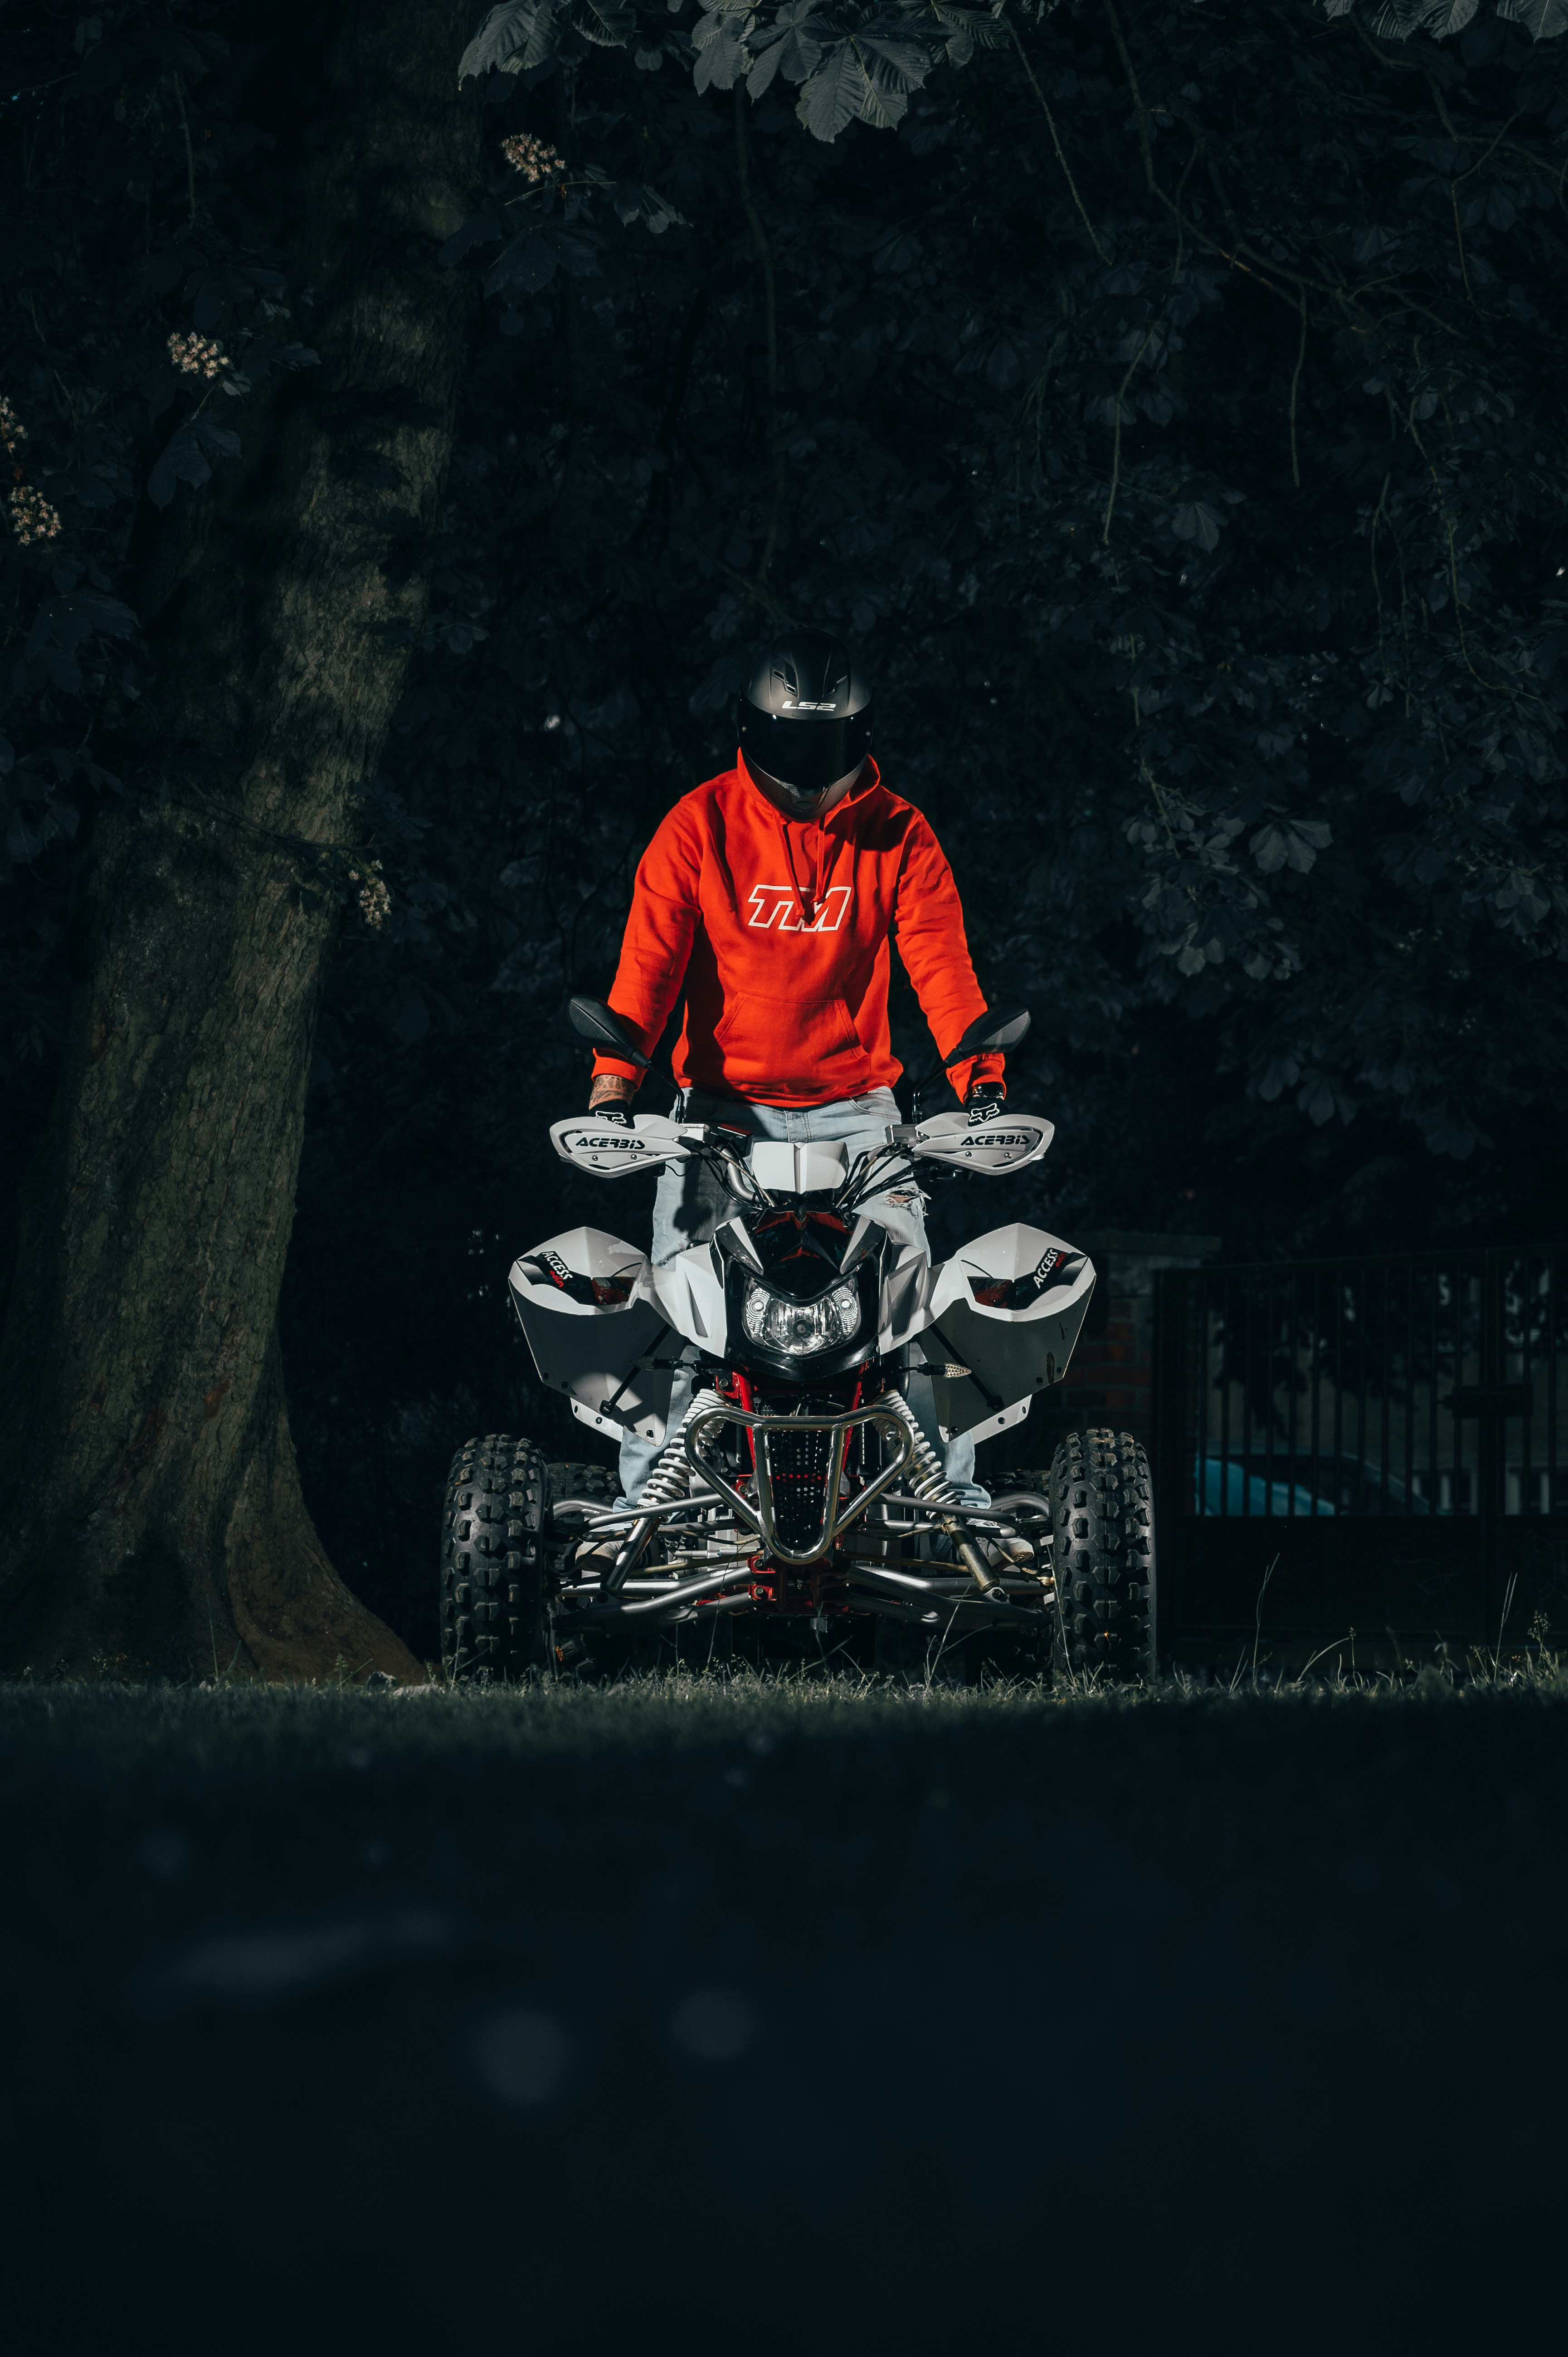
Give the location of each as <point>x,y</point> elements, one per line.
<point>592,1019</point>
<point>989,1034</point>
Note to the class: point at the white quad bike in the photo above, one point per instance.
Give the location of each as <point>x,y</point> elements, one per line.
<point>797,1485</point>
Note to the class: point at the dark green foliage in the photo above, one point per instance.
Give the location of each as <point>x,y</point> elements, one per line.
<point>1169,404</point>
<point>1201,513</point>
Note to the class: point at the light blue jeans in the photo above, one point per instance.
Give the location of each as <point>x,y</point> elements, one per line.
<point>689,1206</point>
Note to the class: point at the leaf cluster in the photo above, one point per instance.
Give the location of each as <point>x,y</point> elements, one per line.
<point>1168,404</point>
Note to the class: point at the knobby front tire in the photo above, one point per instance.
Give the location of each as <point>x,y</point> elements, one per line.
<point>1102,1548</point>
<point>492,1561</point>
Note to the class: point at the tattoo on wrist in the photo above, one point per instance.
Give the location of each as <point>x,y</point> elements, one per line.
<point>610,1089</point>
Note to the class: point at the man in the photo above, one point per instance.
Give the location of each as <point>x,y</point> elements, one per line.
<point>770,896</point>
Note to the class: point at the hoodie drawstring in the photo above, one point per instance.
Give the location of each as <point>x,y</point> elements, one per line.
<point>805,902</point>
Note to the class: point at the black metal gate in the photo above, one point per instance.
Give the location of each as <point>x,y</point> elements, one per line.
<point>1368,1444</point>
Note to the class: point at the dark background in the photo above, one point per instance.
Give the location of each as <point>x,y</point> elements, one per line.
<point>1267,834</point>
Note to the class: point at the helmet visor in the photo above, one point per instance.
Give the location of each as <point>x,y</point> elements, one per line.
<point>809,755</point>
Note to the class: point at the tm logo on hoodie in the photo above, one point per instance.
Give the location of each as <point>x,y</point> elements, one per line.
<point>774,909</point>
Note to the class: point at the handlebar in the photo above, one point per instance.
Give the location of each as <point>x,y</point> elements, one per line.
<point>1002,1142</point>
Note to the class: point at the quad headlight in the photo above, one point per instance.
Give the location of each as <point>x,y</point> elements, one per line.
<point>800,1328</point>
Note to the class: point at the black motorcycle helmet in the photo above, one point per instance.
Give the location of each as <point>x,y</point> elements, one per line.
<point>806,716</point>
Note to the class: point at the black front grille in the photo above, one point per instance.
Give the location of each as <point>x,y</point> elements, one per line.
<point>798,1463</point>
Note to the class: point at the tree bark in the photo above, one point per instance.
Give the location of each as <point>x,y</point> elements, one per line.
<point>151,1517</point>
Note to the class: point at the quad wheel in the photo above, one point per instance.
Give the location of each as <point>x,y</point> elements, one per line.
<point>599,1485</point>
<point>599,1482</point>
<point>1102,1546</point>
<point>596,1485</point>
<point>492,1560</point>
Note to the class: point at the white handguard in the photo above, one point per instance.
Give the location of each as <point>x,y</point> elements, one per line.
<point>612,1150</point>
<point>989,1137</point>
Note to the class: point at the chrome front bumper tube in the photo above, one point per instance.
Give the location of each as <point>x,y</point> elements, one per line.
<point>762,1517</point>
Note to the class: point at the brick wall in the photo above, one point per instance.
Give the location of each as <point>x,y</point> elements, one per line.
<point>1110,1380</point>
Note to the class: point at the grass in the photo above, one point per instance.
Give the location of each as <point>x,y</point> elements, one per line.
<point>768,2015</point>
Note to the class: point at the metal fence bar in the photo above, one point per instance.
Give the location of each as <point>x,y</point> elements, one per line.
<point>1464,1280</point>
<point>1224,1401</point>
<point>1176,1348</point>
<point>1249,1328</point>
<point>1293,1328</point>
<point>1491,1430</point>
<point>1316,1377</point>
<point>1552,1266</point>
<point>1266,1390</point>
<point>1385,1387</point>
<point>1526,1318</point>
<point>1410,1399</point>
<point>1338,1367</point>
<point>1437,1476</point>
<point>1361,1316</point>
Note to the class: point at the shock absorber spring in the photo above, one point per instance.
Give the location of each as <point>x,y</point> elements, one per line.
<point>671,1478</point>
<point>930,1483</point>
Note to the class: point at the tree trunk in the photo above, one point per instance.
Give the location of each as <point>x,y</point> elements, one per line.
<point>151,1518</point>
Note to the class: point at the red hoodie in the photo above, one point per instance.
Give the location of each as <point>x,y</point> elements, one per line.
<point>778,932</point>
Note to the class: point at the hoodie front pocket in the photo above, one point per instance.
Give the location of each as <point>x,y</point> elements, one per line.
<point>796,1045</point>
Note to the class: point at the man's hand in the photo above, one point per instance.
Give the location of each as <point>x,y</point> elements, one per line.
<point>984,1100</point>
<point>610,1097</point>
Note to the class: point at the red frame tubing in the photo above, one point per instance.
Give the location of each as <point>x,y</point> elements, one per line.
<point>742,1393</point>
